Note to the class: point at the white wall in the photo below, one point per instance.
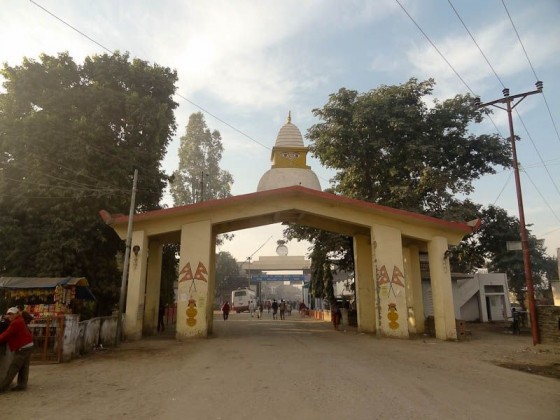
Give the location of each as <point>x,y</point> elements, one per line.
<point>470,311</point>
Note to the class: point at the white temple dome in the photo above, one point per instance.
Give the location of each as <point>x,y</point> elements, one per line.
<point>283,177</point>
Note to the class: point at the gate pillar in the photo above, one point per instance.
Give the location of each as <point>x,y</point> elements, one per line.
<point>442,292</point>
<point>153,286</point>
<point>390,282</point>
<point>134,314</point>
<point>365,284</point>
<point>193,302</point>
<point>414,301</point>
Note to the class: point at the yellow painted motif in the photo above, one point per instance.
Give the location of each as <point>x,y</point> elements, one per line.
<point>191,313</point>
<point>393,316</point>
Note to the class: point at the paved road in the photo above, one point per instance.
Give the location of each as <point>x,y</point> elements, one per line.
<point>293,369</point>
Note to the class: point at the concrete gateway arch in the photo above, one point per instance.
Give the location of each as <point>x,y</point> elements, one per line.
<point>387,244</point>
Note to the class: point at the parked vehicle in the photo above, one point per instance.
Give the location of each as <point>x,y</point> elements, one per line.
<point>240,299</point>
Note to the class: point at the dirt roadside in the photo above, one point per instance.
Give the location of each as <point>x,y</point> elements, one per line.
<point>299,368</point>
<point>496,344</point>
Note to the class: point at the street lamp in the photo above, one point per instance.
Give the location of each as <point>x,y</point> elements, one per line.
<point>249,271</point>
<point>509,102</point>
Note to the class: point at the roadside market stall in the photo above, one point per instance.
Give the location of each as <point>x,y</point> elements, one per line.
<point>49,301</point>
<point>47,296</point>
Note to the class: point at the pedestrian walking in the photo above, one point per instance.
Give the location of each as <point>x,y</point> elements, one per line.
<point>252,307</point>
<point>303,310</point>
<point>335,314</point>
<point>20,342</point>
<point>282,309</point>
<point>515,322</point>
<point>161,315</point>
<point>274,308</point>
<point>259,310</point>
<point>225,310</point>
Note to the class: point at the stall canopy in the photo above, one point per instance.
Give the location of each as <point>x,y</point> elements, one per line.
<point>81,284</point>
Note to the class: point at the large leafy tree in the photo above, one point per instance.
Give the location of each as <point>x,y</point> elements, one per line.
<point>227,277</point>
<point>70,136</point>
<point>199,176</point>
<point>389,147</point>
<point>498,229</point>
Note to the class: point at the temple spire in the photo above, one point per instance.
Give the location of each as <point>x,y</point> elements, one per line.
<point>289,167</point>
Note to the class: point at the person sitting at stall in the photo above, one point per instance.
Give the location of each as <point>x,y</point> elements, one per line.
<point>27,317</point>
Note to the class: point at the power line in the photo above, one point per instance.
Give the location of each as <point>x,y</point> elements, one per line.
<point>539,154</point>
<point>59,165</point>
<point>550,231</point>
<point>452,68</point>
<point>520,42</point>
<point>70,26</point>
<point>532,68</point>
<point>222,121</point>
<point>503,188</point>
<point>544,199</point>
<point>475,43</point>
<point>444,59</point>
<point>517,112</point>
<point>435,47</point>
<point>179,95</point>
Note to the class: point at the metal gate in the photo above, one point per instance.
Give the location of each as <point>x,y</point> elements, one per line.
<point>47,339</point>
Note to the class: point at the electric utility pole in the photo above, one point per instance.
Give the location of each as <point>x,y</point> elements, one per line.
<point>202,183</point>
<point>126,259</point>
<point>251,256</point>
<point>511,103</point>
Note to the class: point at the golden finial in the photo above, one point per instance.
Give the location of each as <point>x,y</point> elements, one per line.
<point>289,116</point>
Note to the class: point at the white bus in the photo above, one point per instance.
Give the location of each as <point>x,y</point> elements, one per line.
<point>240,299</point>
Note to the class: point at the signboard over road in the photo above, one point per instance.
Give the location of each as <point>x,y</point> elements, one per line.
<point>278,277</point>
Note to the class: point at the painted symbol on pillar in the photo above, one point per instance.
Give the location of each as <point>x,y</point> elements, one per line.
<point>383,277</point>
<point>199,275</point>
<point>187,273</point>
<point>191,313</point>
<point>200,272</point>
<point>386,283</point>
<point>393,316</point>
<point>396,279</point>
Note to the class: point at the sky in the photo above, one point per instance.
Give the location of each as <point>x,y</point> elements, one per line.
<point>246,63</point>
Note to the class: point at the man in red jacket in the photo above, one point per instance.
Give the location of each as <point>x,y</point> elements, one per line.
<point>20,342</point>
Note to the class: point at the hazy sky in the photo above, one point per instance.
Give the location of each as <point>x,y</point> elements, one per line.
<point>249,62</point>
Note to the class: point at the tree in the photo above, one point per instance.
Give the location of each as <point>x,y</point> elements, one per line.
<point>390,148</point>
<point>199,176</point>
<point>330,253</point>
<point>499,228</point>
<point>70,136</point>
<point>169,272</point>
<point>227,273</point>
